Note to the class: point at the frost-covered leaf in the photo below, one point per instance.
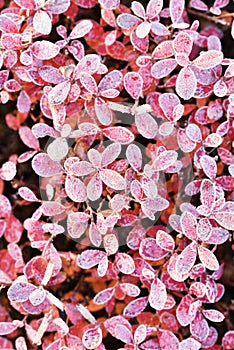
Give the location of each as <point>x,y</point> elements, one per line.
<point>163,68</point>
<point>213,315</point>
<point>8,171</point>
<point>208,258</point>
<point>153,8</point>
<point>94,188</point>
<point>119,134</point>
<point>127,21</point>
<point>189,344</point>
<point>20,291</point>
<point>42,22</point>
<point>104,296</point>
<point>110,154</point>
<point>167,340</point>
<point>133,83</point>
<point>225,219</point>
<point>89,258</point>
<point>186,83</point>
<point>75,189</point>
<point>209,59</point>
<point>27,194</point>
<point>158,294</point>
<point>164,240</point>
<point>134,156</point>
<point>44,50</point>
<point>188,225</point>
<point>135,307</point>
<point>125,263</point>
<point>183,43</point>
<point>44,166</point>
<point>28,138</point>
<point>164,160</point>
<point>59,93</point>
<point>81,28</point>
<point>176,8</point>
<point>92,337</point>
<point>187,258</point>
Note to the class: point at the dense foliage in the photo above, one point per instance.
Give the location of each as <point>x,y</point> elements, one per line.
<point>116,209</point>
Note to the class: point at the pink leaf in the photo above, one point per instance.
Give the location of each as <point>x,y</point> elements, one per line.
<point>92,337</point>
<point>208,258</point>
<point>199,5</point>
<point>186,83</point>
<point>123,334</point>
<point>20,291</point>
<point>104,113</point>
<point>193,132</point>
<point>7,327</point>
<point>208,192</point>
<point>23,102</point>
<point>185,143</point>
<point>94,188</point>
<point>88,82</point>
<point>134,156</point>
<point>163,68</point>
<point>44,166</point>
<point>199,327</point>
<point>146,125</point>
<point>59,93</point>
<point>183,43</point>
<point>57,6</point>
<point>125,263</point>
<point>37,296</point>
<point>8,171</point>
<point>127,21</point>
<point>7,25</point>
<point>119,134</point>
<point>42,22</point>
<point>167,340</point>
<point>140,334</point>
<point>228,340</point>
<point>209,59</point>
<point>187,258</point>
<point>89,258</point>
<point>182,311</point>
<point>82,168</point>
<point>88,64</point>
<point>143,29</point>
<point>28,138</point>
<point>44,50</point>
<point>165,241</point>
<point>153,8</point>
<point>157,295</point>
<point>112,179</point>
<point>112,80</point>
<point>204,229</point>
<point>225,219</point>
<point>168,102</point>
<point>188,224</point>
<point>149,250</point>
<point>213,315</point>
<point>159,29</point>
<point>138,9</point>
<point>81,28</point>
<point>176,8</point>
<point>133,83</point>
<point>52,208</point>
<point>189,344</point>
<point>110,5</point>
<point>213,140</point>
<point>135,307</point>
<point>75,189</point>
<point>27,194</point>
<point>130,289</point>
<point>104,296</point>
<point>110,154</point>
<point>164,160</point>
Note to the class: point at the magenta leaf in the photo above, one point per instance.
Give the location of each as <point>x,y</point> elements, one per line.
<point>167,340</point>
<point>153,8</point>
<point>164,240</point>
<point>110,154</point>
<point>188,224</point>
<point>57,6</point>
<point>28,138</point>
<point>225,219</point>
<point>127,21</point>
<point>8,171</point>
<point>189,344</point>
<point>20,291</point>
<point>183,43</point>
<point>104,296</point>
<point>119,134</point>
<point>125,263</point>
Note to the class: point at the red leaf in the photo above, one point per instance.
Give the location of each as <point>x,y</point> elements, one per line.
<point>149,250</point>
<point>183,43</point>
<point>208,192</point>
<point>182,311</point>
<point>188,224</point>
<point>186,83</point>
<point>207,258</point>
<point>228,340</point>
<point>168,340</point>
<point>5,207</point>
<point>164,240</point>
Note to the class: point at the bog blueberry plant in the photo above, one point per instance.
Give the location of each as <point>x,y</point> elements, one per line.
<point>124,113</point>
